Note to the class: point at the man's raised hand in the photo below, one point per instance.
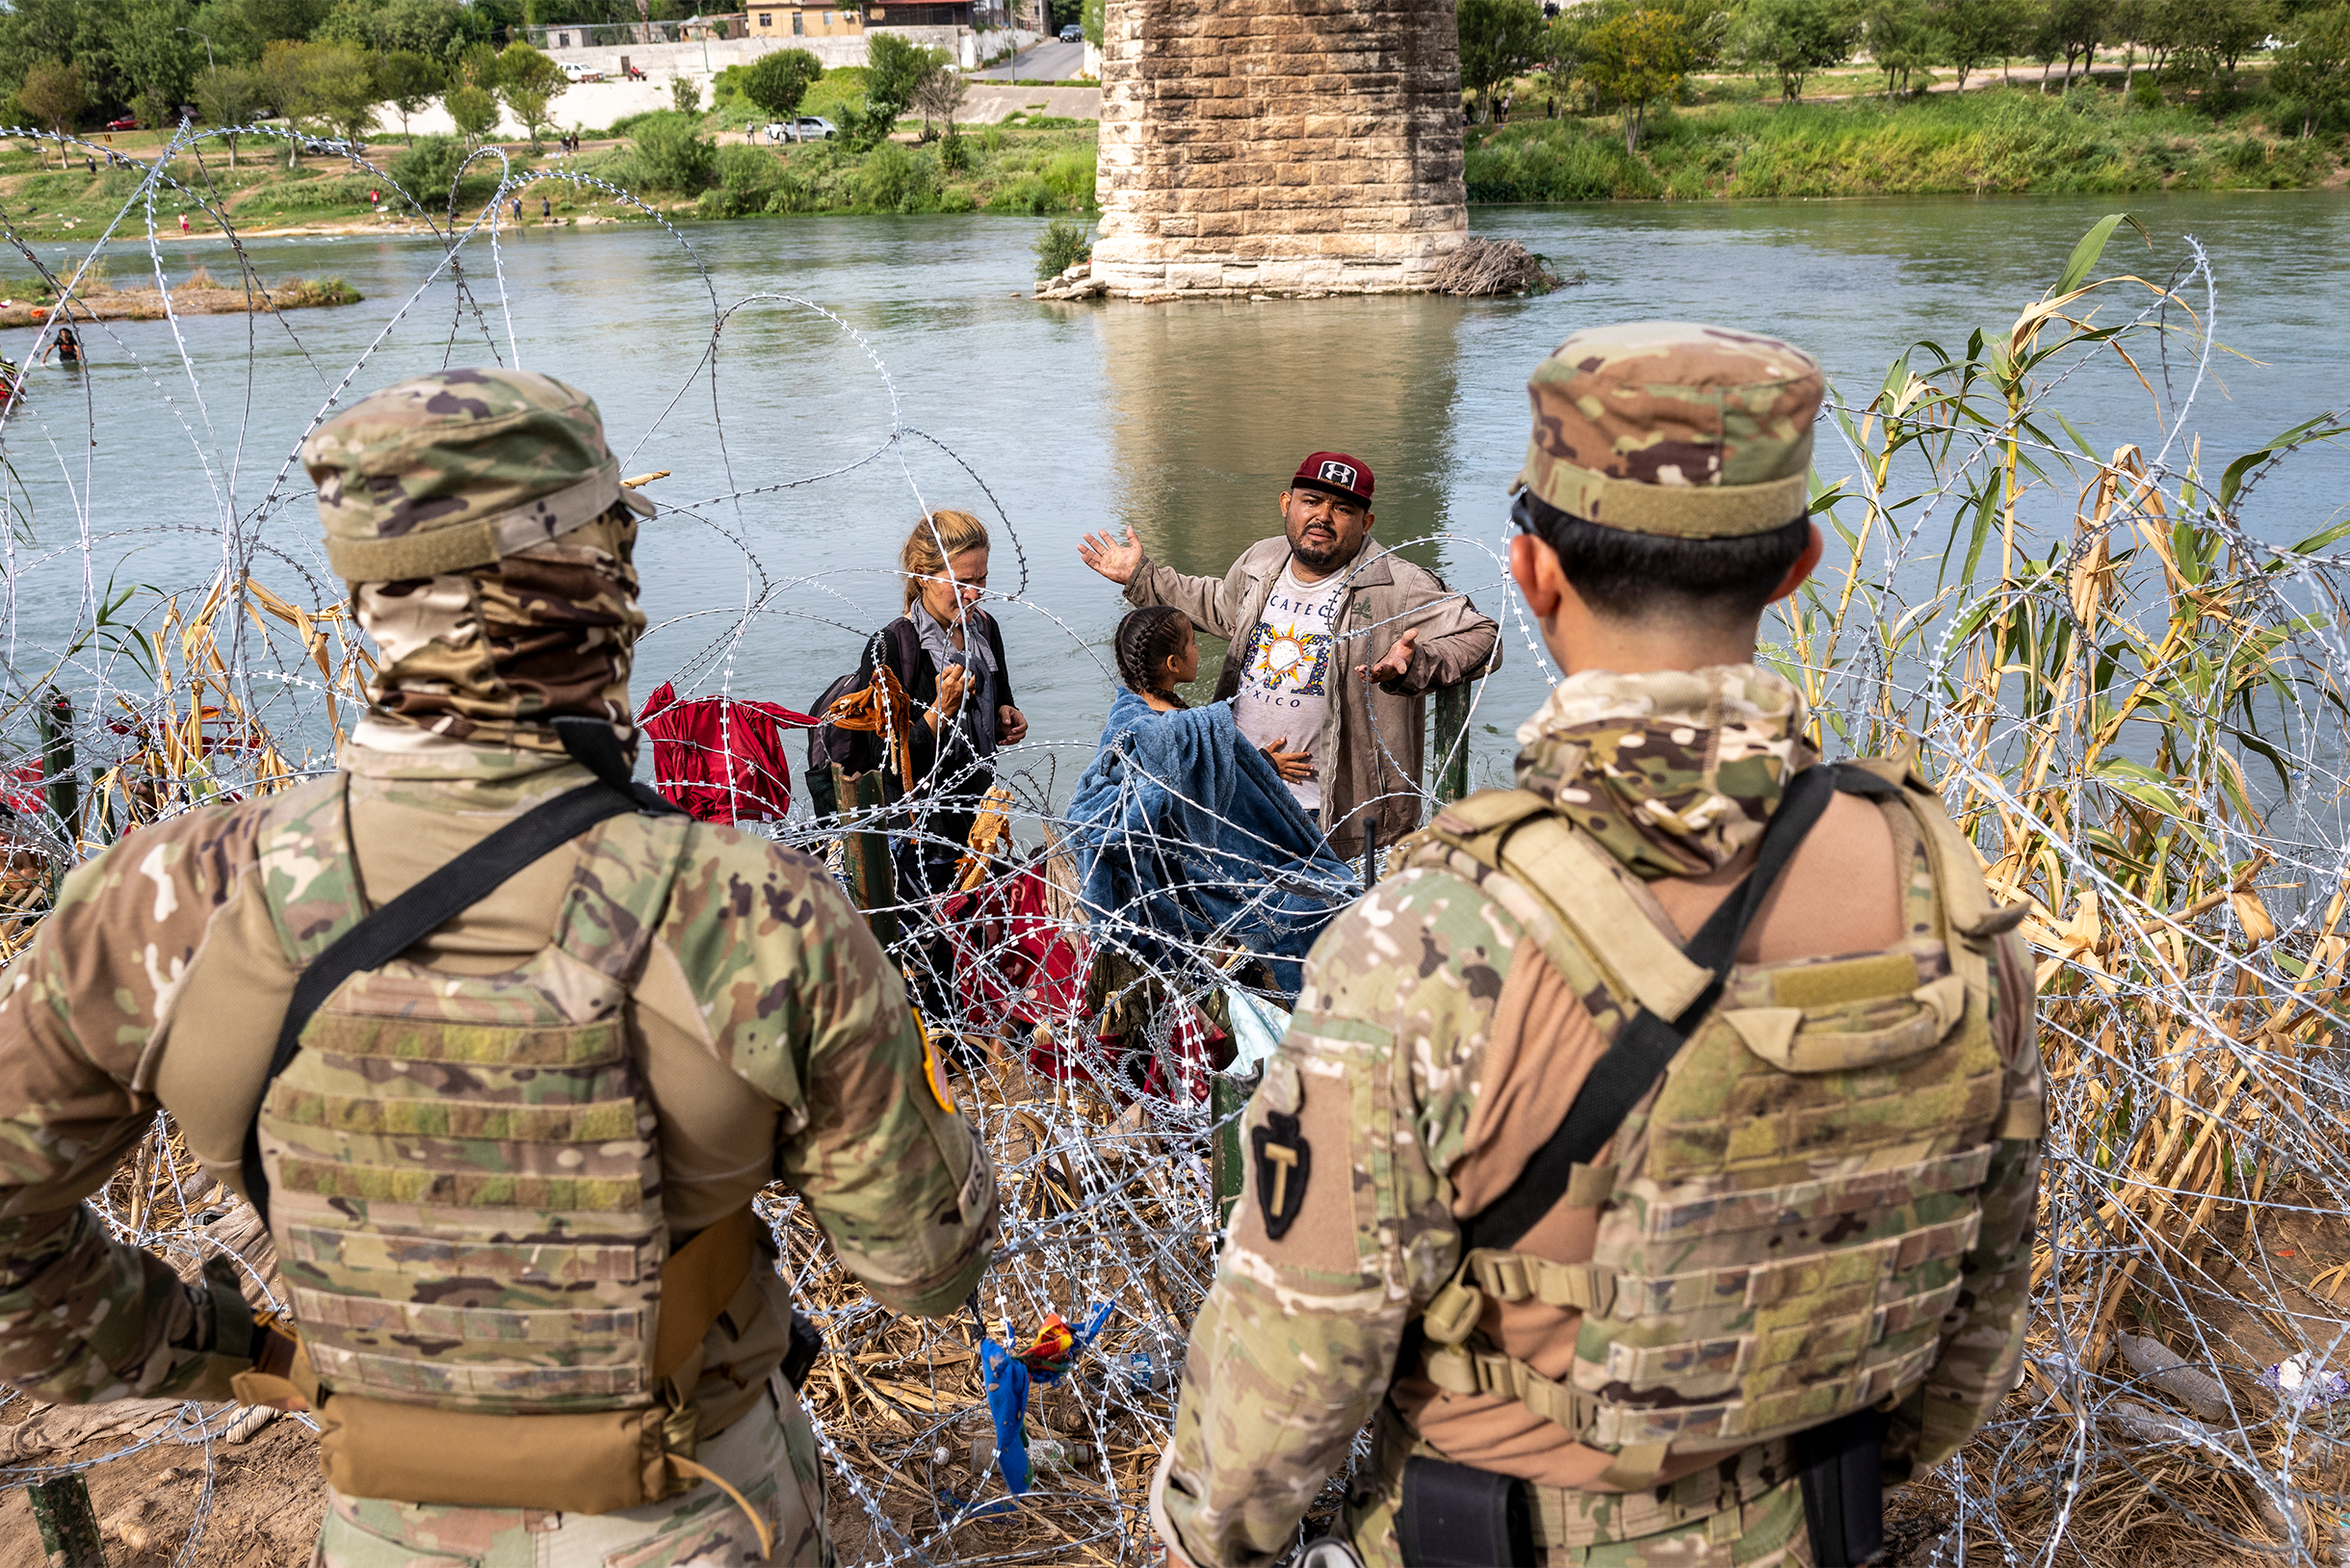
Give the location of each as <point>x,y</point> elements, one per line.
<point>1106,555</point>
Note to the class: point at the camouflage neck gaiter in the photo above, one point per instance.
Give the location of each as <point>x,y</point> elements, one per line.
<point>494,655</point>
<point>1674,771</point>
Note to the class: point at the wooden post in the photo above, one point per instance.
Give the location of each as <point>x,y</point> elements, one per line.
<point>1449,739</point>
<point>1227,1097</point>
<point>865,852</point>
<point>69,1526</point>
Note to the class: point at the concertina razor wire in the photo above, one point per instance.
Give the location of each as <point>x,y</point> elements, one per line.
<point>2134,703</point>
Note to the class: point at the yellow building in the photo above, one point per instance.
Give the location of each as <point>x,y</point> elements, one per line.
<point>805,21</point>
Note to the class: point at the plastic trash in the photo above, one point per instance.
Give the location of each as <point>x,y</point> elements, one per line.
<point>2294,1378</point>
<point>1256,1027</point>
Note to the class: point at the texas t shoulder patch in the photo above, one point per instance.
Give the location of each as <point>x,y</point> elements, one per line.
<point>1284,1162</point>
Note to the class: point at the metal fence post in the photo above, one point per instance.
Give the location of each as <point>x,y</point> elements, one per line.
<point>1449,738</point>
<point>865,854</point>
<point>68,1526</point>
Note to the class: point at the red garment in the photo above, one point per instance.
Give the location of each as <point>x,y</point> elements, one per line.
<point>721,759</point>
<point>1014,964</point>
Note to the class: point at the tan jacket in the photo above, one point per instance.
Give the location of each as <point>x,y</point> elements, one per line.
<point>1369,751</point>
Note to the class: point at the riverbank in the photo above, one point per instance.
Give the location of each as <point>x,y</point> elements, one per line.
<point>28,304</point>
<point>2004,139</point>
<point>1996,139</point>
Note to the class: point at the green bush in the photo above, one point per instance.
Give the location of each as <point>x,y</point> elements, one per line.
<point>1060,247</point>
<point>672,153</point>
<point>750,173</point>
<point>958,198</point>
<point>426,170</point>
<point>1070,177</point>
<point>895,178</point>
<point>1028,194</point>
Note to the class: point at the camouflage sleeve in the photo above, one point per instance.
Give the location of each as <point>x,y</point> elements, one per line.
<point>82,1315</point>
<point>800,1001</point>
<point>1296,1342</point>
<point>1982,1349</point>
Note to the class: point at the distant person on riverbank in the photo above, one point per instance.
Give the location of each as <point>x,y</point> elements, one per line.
<point>1296,611</point>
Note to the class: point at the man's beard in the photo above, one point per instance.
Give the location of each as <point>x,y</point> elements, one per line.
<point>1323,557</point>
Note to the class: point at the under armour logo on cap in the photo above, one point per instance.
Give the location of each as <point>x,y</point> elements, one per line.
<point>1337,472</point>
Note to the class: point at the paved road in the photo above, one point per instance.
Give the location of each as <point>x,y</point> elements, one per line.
<point>1054,61</point>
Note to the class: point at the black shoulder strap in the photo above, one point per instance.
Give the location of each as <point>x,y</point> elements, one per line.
<point>1646,1046</point>
<point>449,891</point>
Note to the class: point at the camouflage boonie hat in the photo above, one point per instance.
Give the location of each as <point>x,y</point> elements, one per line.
<point>459,469</point>
<point>1674,427</point>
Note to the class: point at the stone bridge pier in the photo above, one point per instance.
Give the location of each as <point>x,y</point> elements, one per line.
<point>1278,147</point>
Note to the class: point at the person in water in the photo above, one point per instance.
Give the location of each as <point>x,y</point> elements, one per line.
<point>67,346</point>
<point>1188,838</point>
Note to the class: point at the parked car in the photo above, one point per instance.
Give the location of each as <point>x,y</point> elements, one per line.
<point>314,148</point>
<point>128,123</point>
<point>581,73</point>
<point>1074,32</point>
<point>806,128</point>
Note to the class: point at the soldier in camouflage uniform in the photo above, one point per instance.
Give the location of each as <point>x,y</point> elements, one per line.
<point>1821,1212</point>
<point>490,1158</point>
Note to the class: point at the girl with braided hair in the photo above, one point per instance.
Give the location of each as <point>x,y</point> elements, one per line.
<point>1187,842</point>
<point>1157,651</point>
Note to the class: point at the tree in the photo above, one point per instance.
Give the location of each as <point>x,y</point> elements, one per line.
<point>1975,33</point>
<point>1634,58</point>
<point>779,80</point>
<point>892,66</point>
<point>330,87</point>
<point>685,94</point>
<point>2071,28</point>
<point>155,58</point>
<point>2219,33</point>
<point>409,81</point>
<point>1499,39</point>
<point>472,110</point>
<point>1901,40</point>
<point>228,95</point>
<point>2315,68</point>
<point>940,92</point>
<point>1791,38</point>
<point>529,82</point>
<point>53,94</point>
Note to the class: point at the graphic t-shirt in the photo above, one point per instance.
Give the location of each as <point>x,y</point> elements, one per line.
<point>1289,672</point>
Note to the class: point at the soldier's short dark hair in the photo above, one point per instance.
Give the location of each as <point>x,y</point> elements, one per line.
<point>1628,576</point>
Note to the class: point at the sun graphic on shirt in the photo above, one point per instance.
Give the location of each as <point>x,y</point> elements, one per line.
<point>1283,656</point>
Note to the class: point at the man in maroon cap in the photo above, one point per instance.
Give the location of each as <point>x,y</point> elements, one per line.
<point>1297,612</point>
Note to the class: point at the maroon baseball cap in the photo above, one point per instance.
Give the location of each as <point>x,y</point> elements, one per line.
<point>1336,473</point>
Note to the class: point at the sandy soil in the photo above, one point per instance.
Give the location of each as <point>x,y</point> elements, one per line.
<point>146,305</point>
<point>263,1511</point>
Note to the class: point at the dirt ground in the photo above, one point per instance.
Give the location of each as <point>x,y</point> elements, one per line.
<point>263,1511</point>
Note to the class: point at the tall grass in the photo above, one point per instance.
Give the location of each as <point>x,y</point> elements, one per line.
<point>1992,141</point>
<point>2137,705</point>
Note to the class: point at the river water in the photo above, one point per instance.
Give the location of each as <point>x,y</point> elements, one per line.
<point>1180,421</point>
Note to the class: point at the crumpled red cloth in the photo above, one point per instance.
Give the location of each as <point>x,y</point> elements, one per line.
<point>721,759</point>
<point>1014,964</point>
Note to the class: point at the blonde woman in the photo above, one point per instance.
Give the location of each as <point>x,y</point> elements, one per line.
<point>948,653</point>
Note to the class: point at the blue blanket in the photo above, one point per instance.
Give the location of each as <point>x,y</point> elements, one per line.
<point>1184,835</point>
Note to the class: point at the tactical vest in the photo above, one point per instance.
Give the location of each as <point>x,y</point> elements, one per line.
<point>1783,1228</point>
<point>465,1191</point>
